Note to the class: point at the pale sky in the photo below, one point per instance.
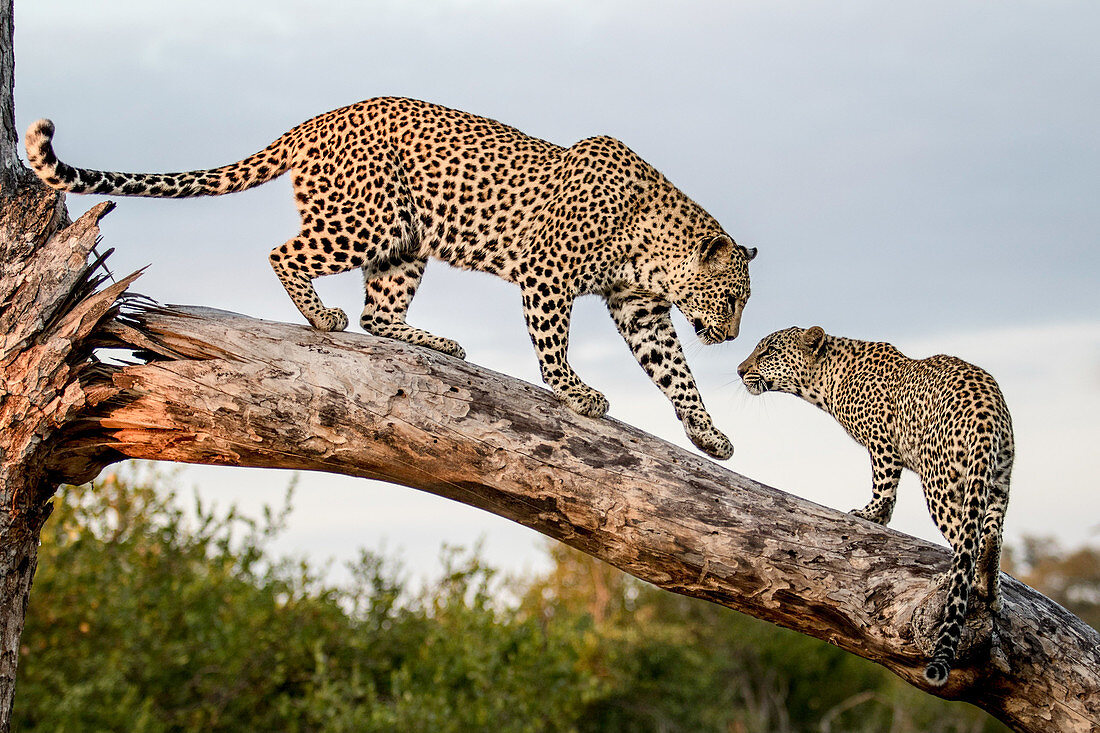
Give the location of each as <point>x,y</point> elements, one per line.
<point>920,173</point>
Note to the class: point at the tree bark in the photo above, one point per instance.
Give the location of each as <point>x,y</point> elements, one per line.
<point>11,168</point>
<point>32,293</point>
<point>225,389</point>
<point>48,308</point>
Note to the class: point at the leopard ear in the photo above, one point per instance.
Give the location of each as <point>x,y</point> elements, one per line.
<point>814,340</point>
<point>714,249</point>
<point>747,252</point>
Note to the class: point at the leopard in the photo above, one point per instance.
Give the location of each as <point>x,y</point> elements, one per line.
<point>940,417</point>
<point>388,183</point>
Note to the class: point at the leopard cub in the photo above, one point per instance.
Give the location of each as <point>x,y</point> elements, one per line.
<point>940,417</point>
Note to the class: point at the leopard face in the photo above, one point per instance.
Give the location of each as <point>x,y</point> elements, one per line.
<point>781,362</point>
<point>711,285</point>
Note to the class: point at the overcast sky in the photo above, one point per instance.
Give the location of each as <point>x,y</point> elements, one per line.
<point>921,173</point>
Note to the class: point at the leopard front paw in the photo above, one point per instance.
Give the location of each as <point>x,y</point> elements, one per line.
<point>707,438</point>
<point>870,516</point>
<point>584,400</point>
<point>329,319</point>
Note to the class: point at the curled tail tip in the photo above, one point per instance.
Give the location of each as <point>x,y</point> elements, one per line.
<point>40,131</point>
<point>39,145</point>
<point>43,160</point>
<point>936,672</point>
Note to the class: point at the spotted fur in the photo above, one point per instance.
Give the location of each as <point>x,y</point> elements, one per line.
<point>940,417</point>
<point>385,184</point>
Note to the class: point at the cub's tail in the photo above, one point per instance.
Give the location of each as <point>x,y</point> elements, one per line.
<point>269,163</point>
<point>960,578</point>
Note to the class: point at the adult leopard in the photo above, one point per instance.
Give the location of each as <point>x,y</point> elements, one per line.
<point>940,417</point>
<point>385,184</point>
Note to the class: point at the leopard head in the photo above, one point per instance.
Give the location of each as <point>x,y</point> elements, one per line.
<point>711,286</point>
<point>782,361</point>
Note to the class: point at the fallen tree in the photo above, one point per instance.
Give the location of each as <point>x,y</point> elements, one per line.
<point>211,387</point>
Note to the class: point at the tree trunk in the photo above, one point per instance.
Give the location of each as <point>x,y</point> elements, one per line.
<point>225,389</point>
<point>48,307</point>
<point>20,516</point>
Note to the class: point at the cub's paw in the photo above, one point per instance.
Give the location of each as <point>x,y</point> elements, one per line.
<point>584,400</point>
<point>330,319</point>
<point>870,516</point>
<point>706,437</point>
<point>980,596</point>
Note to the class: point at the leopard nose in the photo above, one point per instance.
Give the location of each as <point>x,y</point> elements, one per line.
<point>698,324</point>
<point>743,369</point>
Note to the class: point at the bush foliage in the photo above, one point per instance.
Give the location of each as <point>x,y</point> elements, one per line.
<point>146,618</point>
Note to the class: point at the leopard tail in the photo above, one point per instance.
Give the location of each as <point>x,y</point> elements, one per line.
<point>960,578</point>
<point>269,163</point>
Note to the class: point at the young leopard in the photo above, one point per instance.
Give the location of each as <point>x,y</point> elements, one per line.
<point>940,417</point>
<point>385,184</point>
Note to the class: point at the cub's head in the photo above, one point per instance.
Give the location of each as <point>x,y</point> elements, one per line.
<point>711,285</point>
<point>782,361</point>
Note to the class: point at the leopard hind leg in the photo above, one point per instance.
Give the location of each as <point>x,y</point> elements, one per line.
<point>296,263</point>
<point>354,214</point>
<point>389,287</point>
<point>988,584</point>
<point>964,536</point>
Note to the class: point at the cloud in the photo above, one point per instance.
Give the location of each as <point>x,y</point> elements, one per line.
<point>920,173</point>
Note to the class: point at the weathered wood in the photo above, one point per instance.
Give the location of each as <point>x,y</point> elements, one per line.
<point>10,165</point>
<point>33,371</point>
<point>48,308</point>
<point>226,389</point>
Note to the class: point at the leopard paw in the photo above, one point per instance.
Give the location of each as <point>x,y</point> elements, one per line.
<point>981,595</point>
<point>870,516</point>
<point>584,400</point>
<point>446,346</point>
<point>329,319</point>
<point>706,437</point>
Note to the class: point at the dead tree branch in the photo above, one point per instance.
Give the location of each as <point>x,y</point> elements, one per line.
<point>225,389</point>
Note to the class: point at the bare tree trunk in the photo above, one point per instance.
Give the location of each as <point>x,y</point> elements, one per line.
<point>48,306</point>
<point>21,516</point>
<point>11,167</point>
<point>226,389</point>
